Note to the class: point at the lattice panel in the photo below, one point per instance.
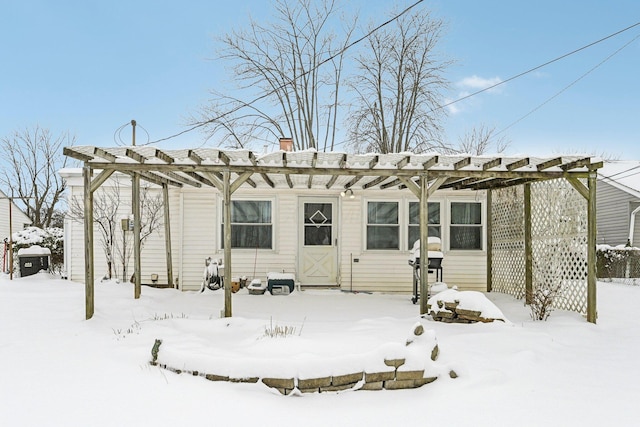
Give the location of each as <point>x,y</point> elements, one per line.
<point>507,216</point>
<point>559,242</point>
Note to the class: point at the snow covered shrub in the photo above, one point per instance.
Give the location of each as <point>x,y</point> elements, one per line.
<point>619,262</point>
<point>50,238</point>
<point>542,300</point>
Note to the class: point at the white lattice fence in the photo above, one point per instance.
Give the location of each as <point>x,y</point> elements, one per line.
<point>507,216</point>
<point>559,242</point>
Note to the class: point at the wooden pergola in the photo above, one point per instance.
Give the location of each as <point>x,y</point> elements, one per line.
<point>228,170</point>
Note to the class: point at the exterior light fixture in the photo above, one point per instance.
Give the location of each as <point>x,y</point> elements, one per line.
<point>348,192</point>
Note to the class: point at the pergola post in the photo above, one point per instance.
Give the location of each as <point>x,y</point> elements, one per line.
<point>592,313</point>
<point>167,233</point>
<point>226,191</point>
<point>528,254</point>
<point>135,203</point>
<point>88,243</point>
<point>424,247</point>
<point>489,241</point>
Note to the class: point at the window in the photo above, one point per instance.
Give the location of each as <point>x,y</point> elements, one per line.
<point>318,228</point>
<point>383,230</point>
<point>251,225</point>
<point>414,221</point>
<point>466,226</point>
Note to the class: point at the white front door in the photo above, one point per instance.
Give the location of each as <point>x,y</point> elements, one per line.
<point>318,241</point>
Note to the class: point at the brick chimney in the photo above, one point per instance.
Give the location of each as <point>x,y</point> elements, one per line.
<point>286,144</point>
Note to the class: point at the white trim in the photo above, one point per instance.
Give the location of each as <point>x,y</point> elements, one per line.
<point>247,198</point>
<point>483,225</point>
<point>335,231</point>
<point>365,223</point>
<point>632,224</point>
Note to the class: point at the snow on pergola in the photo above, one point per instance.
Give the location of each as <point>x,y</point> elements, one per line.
<point>422,174</point>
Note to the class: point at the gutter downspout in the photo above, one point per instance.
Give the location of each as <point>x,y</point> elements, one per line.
<point>632,224</point>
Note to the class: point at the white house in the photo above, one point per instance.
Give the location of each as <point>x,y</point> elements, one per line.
<point>359,242</point>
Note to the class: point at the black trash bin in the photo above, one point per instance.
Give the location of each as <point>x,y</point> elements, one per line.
<point>33,259</point>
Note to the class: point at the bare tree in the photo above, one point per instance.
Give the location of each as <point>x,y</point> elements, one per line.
<point>279,65</point>
<point>151,209</point>
<point>481,140</point>
<point>31,160</point>
<point>398,88</point>
<point>106,204</point>
<point>108,209</point>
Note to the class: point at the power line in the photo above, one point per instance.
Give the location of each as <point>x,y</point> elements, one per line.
<point>344,49</point>
<point>537,67</point>
<point>330,58</point>
<point>568,86</point>
<point>625,171</point>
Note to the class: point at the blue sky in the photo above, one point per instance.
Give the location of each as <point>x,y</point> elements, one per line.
<point>90,67</point>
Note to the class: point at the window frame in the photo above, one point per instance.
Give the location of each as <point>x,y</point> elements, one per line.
<point>480,226</point>
<point>397,225</point>
<point>272,224</point>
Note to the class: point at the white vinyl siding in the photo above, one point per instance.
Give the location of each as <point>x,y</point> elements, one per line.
<point>199,210</point>
<point>19,219</point>
<point>389,271</point>
<point>152,250</point>
<point>614,207</point>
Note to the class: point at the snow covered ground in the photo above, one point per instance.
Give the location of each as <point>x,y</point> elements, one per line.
<point>57,369</point>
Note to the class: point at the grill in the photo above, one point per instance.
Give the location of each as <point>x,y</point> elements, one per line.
<point>435,257</point>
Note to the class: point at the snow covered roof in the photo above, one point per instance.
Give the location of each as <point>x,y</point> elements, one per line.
<point>624,175</point>
<point>313,169</point>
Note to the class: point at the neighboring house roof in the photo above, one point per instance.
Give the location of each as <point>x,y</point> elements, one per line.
<point>623,174</point>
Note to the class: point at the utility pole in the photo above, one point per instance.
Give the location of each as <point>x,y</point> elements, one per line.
<point>135,202</point>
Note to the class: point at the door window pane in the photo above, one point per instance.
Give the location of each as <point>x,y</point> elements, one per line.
<point>318,229</point>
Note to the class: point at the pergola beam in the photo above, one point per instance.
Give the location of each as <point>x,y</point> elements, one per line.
<point>305,171</point>
<point>100,179</point>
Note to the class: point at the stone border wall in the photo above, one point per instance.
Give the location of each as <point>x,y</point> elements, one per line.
<point>393,379</point>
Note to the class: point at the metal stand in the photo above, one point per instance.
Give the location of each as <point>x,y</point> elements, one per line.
<point>432,268</point>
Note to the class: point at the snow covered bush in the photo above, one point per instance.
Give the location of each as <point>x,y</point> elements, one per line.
<point>618,262</point>
<point>542,300</point>
<point>50,238</point>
